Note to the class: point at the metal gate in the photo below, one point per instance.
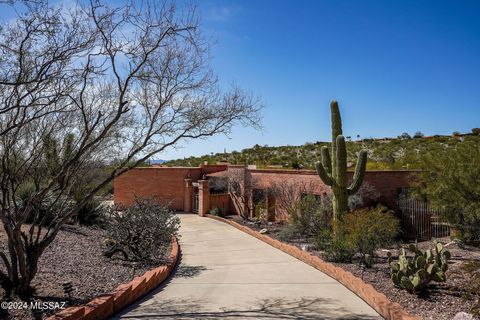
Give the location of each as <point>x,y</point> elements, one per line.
<point>195,201</point>
<point>420,221</point>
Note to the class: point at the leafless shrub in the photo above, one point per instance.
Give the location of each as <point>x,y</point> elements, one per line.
<point>141,232</point>
<point>219,184</point>
<point>367,194</point>
<point>287,195</point>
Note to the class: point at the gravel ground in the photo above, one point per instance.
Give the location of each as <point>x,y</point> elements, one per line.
<point>443,301</point>
<point>75,256</point>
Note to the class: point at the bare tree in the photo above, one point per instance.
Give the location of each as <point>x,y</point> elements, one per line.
<point>287,195</point>
<point>241,184</point>
<point>95,84</point>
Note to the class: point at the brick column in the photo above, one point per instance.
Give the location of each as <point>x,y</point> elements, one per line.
<point>187,197</point>
<point>203,197</point>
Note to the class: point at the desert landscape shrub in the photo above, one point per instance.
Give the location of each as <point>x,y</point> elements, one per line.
<point>142,231</point>
<point>289,232</point>
<point>91,213</point>
<point>471,271</point>
<point>338,248</point>
<point>367,195</point>
<point>449,180</point>
<point>358,235</point>
<point>217,212</point>
<point>367,230</point>
<point>311,215</point>
<point>261,211</point>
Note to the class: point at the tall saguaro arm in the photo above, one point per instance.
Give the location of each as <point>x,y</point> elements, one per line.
<point>324,175</point>
<point>359,173</point>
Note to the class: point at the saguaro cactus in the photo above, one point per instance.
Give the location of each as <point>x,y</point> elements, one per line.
<point>333,170</point>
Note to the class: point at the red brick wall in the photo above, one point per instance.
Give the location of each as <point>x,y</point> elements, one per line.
<point>168,184</point>
<point>387,183</point>
<point>221,201</point>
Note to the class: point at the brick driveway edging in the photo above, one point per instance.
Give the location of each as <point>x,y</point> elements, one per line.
<point>125,294</point>
<point>378,301</point>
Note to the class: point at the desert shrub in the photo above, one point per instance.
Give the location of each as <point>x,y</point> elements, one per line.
<point>44,212</point>
<point>289,232</point>
<point>261,212</point>
<point>367,195</point>
<point>449,180</point>
<point>470,270</point>
<point>91,213</point>
<point>312,215</point>
<point>368,230</point>
<point>217,212</point>
<point>358,234</point>
<point>339,249</point>
<point>142,231</point>
<point>323,238</point>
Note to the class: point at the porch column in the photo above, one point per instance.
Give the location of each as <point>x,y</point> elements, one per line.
<point>203,197</point>
<point>187,198</point>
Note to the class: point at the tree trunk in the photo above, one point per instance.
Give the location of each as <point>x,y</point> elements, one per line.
<point>19,279</point>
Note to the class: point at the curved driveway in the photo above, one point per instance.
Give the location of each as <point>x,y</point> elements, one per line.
<point>225,273</point>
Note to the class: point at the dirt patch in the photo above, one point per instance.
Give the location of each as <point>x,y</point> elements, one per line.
<point>75,256</point>
<point>443,300</point>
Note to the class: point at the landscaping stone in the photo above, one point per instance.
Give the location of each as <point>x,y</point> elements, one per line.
<point>463,316</point>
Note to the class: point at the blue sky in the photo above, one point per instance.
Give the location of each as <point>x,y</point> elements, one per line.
<point>394,66</point>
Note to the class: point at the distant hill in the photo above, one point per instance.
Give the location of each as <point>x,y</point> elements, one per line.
<point>160,161</point>
<point>383,154</point>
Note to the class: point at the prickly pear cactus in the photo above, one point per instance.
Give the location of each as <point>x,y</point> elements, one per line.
<point>415,273</point>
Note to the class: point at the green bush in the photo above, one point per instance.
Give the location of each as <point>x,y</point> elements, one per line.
<point>261,212</point>
<point>339,249</point>
<point>367,230</point>
<point>217,212</point>
<point>360,233</point>
<point>323,239</point>
<point>91,213</point>
<point>449,180</point>
<point>289,232</point>
<point>41,213</point>
<point>311,215</point>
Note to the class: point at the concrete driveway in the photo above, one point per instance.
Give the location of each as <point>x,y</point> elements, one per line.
<point>227,274</point>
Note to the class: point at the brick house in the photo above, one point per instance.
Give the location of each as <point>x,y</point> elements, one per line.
<point>237,189</point>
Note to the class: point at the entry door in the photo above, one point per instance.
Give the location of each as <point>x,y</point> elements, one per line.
<point>195,200</point>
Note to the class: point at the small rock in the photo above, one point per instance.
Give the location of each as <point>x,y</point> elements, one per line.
<point>270,223</point>
<point>306,247</point>
<point>264,230</point>
<point>463,316</point>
